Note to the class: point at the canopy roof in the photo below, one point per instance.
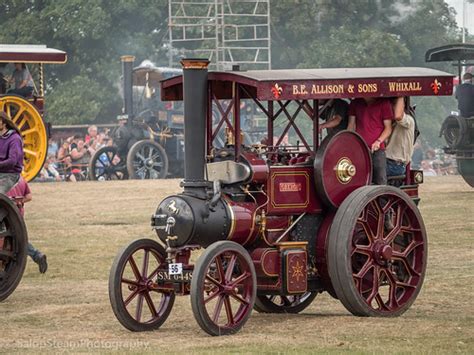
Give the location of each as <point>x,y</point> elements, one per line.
<point>299,84</point>
<point>31,53</point>
<point>450,53</point>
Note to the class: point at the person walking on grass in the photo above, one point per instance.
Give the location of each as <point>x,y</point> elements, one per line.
<point>11,153</point>
<point>21,194</point>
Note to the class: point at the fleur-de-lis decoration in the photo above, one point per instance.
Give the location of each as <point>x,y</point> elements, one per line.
<point>435,86</point>
<point>276,91</point>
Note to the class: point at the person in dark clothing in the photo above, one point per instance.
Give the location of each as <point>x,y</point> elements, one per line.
<point>23,81</point>
<point>11,153</point>
<point>335,116</point>
<point>465,96</point>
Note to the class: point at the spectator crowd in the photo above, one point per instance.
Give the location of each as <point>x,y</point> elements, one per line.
<point>68,159</point>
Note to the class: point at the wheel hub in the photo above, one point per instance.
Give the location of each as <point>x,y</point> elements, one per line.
<point>149,163</point>
<point>382,252</point>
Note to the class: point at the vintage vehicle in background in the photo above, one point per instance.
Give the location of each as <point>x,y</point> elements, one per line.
<point>458,131</point>
<point>27,112</point>
<point>148,143</point>
<point>280,223</point>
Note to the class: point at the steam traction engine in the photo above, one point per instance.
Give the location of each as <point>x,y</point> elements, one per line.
<point>27,114</point>
<point>458,131</point>
<point>148,144</point>
<point>280,224</point>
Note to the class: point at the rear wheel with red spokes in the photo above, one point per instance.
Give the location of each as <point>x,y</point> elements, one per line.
<point>223,288</point>
<point>137,302</point>
<point>377,252</point>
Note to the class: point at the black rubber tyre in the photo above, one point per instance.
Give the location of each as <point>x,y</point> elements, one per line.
<point>160,310</point>
<point>394,258</point>
<point>455,131</point>
<point>147,160</point>
<point>286,304</point>
<point>105,164</point>
<point>14,241</point>
<point>213,264</point>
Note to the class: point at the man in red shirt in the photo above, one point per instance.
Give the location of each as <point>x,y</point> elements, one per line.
<point>372,119</point>
<point>21,194</point>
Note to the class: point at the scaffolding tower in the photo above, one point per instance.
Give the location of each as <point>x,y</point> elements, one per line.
<point>228,32</point>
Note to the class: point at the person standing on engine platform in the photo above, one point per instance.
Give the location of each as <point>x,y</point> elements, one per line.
<point>465,96</point>
<point>335,117</point>
<point>402,141</point>
<point>21,194</point>
<point>372,119</point>
<point>11,153</point>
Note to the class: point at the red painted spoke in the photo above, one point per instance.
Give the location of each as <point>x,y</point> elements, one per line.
<point>134,267</point>
<point>380,302</point>
<point>241,278</point>
<point>239,298</point>
<point>145,262</point>
<point>368,230</point>
<point>230,268</point>
<point>365,268</point>
<point>130,297</point>
<point>407,265</point>
<point>138,313</point>
<point>392,234</point>
<point>154,273</point>
<point>228,310</point>
<point>389,204</point>
<point>362,249</point>
<point>130,282</point>
<point>375,285</point>
<point>411,247</point>
<point>212,296</point>
<point>218,309</point>
<point>150,304</point>
<point>392,301</point>
<point>220,268</point>
<point>214,281</point>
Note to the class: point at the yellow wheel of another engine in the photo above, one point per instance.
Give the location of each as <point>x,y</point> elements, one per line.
<point>33,131</point>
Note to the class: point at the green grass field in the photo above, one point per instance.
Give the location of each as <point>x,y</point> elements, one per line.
<point>81,226</point>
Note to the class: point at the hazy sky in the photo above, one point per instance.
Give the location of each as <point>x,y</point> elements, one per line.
<point>457,4</point>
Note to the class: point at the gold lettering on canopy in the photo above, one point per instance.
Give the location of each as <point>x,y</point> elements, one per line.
<point>327,89</point>
<point>404,87</point>
<point>363,88</point>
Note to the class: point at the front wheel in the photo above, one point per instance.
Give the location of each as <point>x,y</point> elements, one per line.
<point>377,252</point>
<point>136,301</point>
<point>284,304</point>
<point>223,288</point>
<point>147,160</point>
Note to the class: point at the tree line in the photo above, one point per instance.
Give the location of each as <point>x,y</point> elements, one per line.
<point>305,34</point>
